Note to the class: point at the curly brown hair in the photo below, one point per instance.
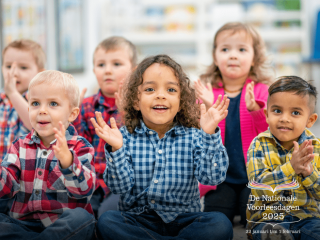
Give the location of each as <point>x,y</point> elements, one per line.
<point>189,113</point>
<point>260,72</point>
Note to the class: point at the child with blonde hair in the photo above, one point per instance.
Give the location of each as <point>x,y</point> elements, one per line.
<point>49,172</point>
<point>239,71</point>
<point>157,159</point>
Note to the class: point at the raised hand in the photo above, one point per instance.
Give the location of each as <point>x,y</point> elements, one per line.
<point>302,158</point>
<point>118,96</point>
<point>249,98</point>
<point>61,150</point>
<point>204,93</point>
<point>83,92</point>
<point>112,135</point>
<point>209,119</point>
<point>10,80</point>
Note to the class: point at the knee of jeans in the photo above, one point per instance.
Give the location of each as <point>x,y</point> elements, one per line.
<point>221,225</point>
<point>80,215</point>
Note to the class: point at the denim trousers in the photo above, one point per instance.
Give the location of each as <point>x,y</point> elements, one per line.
<point>306,229</point>
<point>75,224</point>
<point>125,225</point>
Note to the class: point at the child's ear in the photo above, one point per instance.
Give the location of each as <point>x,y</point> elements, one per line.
<point>266,114</point>
<point>136,106</point>
<point>312,119</point>
<point>74,114</point>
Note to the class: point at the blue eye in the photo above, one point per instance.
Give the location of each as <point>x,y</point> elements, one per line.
<point>149,89</point>
<point>35,104</point>
<point>276,111</point>
<point>117,64</point>
<point>224,49</point>
<point>172,90</point>
<point>53,104</point>
<point>242,49</point>
<point>101,65</point>
<point>296,113</point>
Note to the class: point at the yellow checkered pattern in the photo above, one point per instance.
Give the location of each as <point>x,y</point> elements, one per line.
<point>269,163</point>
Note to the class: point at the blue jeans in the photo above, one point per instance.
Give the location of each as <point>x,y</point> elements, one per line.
<point>74,224</point>
<point>124,225</point>
<point>306,229</point>
<point>5,204</point>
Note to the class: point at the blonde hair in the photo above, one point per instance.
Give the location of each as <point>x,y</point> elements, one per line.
<point>113,43</point>
<point>29,45</point>
<point>65,80</point>
<point>260,72</point>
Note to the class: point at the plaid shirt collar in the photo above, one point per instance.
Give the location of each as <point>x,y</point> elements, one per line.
<point>98,99</point>
<point>177,128</point>
<point>306,135</point>
<point>33,137</point>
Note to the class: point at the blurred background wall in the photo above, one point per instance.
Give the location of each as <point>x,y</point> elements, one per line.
<point>69,31</point>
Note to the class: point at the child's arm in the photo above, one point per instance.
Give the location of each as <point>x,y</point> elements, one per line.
<point>76,165</point>
<point>204,93</point>
<point>10,171</point>
<point>17,100</point>
<point>119,174</point>
<point>259,168</point>
<point>210,156</point>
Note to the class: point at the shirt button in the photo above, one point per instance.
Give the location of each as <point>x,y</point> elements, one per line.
<point>113,176</point>
<point>45,153</point>
<point>37,192</point>
<point>110,159</point>
<point>160,151</point>
<point>81,177</point>
<point>215,164</point>
<point>153,201</point>
<point>150,132</point>
<point>40,173</point>
<point>155,181</point>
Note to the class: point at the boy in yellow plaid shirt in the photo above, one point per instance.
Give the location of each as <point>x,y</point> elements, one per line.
<point>287,153</point>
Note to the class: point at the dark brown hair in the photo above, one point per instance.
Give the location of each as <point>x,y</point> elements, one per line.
<point>29,45</point>
<point>189,113</point>
<point>115,42</point>
<point>260,72</point>
<point>295,85</point>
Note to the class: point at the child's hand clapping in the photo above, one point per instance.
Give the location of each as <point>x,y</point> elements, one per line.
<point>112,135</point>
<point>61,150</point>
<point>10,80</point>
<point>302,158</point>
<point>209,119</point>
<point>205,94</point>
<point>249,98</point>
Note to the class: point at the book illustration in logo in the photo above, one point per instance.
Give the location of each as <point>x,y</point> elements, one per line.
<point>260,186</point>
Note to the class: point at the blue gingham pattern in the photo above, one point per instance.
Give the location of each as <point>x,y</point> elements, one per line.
<point>163,174</point>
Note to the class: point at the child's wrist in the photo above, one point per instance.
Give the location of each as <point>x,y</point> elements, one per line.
<point>255,107</point>
<point>67,160</point>
<point>116,148</point>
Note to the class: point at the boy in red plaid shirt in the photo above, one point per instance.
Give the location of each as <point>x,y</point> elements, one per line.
<point>113,61</point>
<point>50,171</point>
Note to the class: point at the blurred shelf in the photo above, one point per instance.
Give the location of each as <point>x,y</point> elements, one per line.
<point>161,38</point>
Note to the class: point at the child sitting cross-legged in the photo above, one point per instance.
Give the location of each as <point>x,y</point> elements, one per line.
<point>286,155</point>
<point>157,159</point>
<point>50,171</point>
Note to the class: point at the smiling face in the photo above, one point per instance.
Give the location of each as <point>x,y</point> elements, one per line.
<point>234,54</point>
<point>111,67</point>
<point>288,115</point>
<point>159,97</point>
<point>49,104</point>
<point>26,67</point>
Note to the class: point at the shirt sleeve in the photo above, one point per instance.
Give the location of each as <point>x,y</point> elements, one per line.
<point>210,158</point>
<point>10,171</point>
<point>81,124</point>
<point>259,168</point>
<point>119,174</point>
<point>80,177</point>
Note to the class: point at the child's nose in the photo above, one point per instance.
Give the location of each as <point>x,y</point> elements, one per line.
<point>43,110</point>
<point>108,68</point>
<point>161,94</point>
<point>284,118</point>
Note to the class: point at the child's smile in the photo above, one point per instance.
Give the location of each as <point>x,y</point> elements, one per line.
<point>159,97</point>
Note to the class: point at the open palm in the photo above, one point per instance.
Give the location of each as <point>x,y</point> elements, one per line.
<point>204,93</point>
<point>110,135</point>
<point>210,119</point>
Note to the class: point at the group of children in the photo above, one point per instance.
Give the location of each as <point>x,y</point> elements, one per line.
<point>152,144</point>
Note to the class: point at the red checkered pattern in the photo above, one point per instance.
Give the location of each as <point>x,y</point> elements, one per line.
<point>85,128</point>
<point>43,190</point>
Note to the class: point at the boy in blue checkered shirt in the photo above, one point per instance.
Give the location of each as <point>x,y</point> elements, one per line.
<point>157,159</point>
